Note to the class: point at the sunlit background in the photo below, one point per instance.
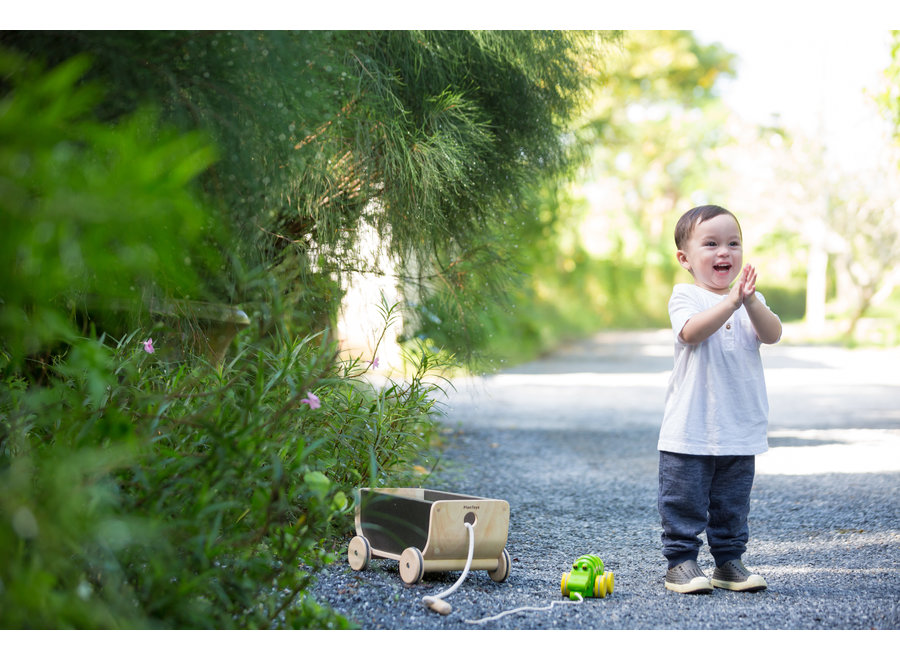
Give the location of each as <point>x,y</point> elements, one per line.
<point>821,82</point>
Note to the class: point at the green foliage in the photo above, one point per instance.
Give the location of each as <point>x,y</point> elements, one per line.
<point>137,491</point>
<point>519,91</point>
<point>140,493</point>
<point>90,210</point>
<point>428,136</point>
<point>789,303</point>
<point>466,119</point>
<point>661,66</point>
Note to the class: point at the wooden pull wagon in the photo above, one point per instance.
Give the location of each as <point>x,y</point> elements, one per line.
<point>425,531</point>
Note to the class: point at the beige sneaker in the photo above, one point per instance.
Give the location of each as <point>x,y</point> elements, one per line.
<point>687,578</point>
<point>735,576</point>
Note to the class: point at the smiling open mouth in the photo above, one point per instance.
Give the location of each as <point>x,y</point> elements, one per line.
<point>722,268</point>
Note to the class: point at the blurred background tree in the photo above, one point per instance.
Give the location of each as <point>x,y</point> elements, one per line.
<point>657,129</point>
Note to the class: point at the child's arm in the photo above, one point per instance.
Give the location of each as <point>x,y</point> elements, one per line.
<point>765,322</point>
<point>703,324</point>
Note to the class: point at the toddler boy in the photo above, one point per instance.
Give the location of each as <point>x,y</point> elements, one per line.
<point>716,414</point>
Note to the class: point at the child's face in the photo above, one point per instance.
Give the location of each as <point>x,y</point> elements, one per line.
<point>713,254</point>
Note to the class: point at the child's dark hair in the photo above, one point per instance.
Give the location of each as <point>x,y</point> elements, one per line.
<point>695,216</point>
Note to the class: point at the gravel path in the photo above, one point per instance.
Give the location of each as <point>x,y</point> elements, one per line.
<point>570,442</point>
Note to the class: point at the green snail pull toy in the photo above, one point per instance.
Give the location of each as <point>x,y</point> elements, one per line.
<point>587,579</point>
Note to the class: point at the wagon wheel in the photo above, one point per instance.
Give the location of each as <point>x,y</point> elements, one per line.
<point>500,573</point>
<point>359,553</point>
<point>610,582</point>
<point>412,566</point>
<point>600,587</point>
<point>564,585</point>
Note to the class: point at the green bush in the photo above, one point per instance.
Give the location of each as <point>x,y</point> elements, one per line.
<point>138,490</point>
<point>139,493</point>
<point>789,304</point>
<point>93,216</point>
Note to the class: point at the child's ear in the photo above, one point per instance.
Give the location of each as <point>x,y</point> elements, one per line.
<point>683,260</point>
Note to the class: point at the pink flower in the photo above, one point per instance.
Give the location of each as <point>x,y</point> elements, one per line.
<point>374,362</point>
<point>312,400</point>
<point>148,345</point>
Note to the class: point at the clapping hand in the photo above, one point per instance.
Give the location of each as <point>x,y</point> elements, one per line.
<point>744,289</point>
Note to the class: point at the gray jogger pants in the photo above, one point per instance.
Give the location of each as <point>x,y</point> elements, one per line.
<point>710,493</point>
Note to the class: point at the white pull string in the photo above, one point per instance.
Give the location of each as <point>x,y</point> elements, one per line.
<point>435,602</point>
<point>529,607</point>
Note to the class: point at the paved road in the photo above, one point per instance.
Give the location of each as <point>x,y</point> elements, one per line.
<point>570,442</point>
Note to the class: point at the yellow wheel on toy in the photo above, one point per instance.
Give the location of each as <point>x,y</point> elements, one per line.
<point>565,584</point>
<point>610,583</point>
<point>599,587</point>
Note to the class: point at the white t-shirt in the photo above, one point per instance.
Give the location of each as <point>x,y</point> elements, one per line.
<point>716,403</point>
